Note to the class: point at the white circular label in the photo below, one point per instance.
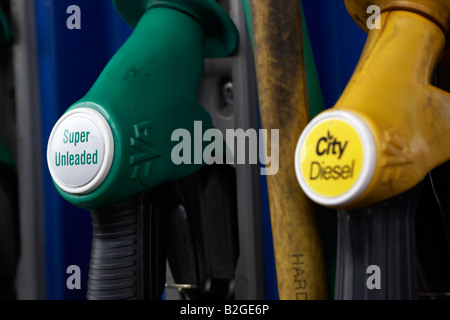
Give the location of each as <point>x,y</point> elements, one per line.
<point>80,151</point>
<point>335,158</point>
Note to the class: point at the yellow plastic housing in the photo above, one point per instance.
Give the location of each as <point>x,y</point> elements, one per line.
<point>435,10</point>
<point>391,104</point>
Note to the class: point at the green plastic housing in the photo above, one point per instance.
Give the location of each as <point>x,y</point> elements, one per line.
<point>149,89</point>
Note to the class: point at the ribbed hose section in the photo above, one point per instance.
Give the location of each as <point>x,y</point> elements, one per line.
<point>380,235</point>
<point>115,254</point>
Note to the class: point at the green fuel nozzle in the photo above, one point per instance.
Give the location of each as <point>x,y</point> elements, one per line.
<point>116,141</point>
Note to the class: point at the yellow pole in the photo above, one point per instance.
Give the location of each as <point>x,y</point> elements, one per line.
<point>280,70</point>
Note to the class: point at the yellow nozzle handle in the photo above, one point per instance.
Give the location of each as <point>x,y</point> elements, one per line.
<point>389,128</point>
<point>435,10</point>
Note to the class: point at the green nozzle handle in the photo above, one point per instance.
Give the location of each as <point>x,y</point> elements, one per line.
<point>117,141</point>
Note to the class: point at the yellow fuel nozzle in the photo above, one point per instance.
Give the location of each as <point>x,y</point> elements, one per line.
<point>435,10</point>
<point>390,127</point>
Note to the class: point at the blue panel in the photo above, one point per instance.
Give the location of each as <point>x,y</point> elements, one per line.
<point>69,63</point>
<point>270,270</point>
<point>337,44</point>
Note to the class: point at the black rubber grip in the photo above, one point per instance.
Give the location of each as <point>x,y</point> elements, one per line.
<point>381,235</point>
<point>128,250</point>
<point>115,255</point>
